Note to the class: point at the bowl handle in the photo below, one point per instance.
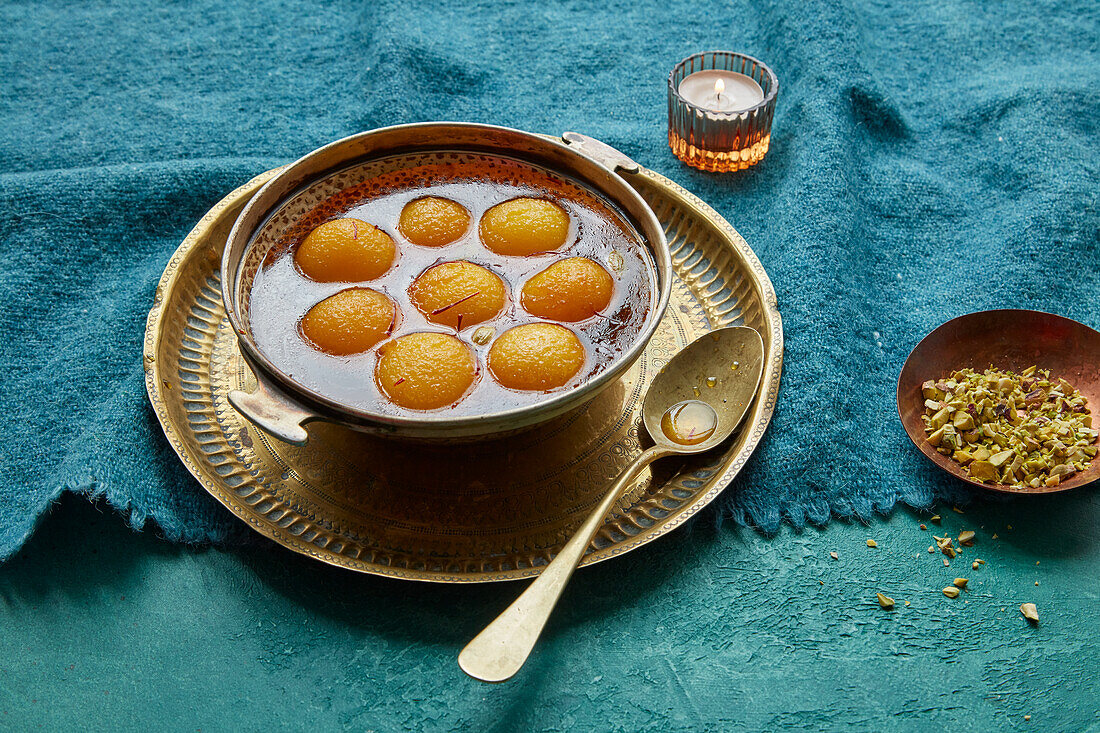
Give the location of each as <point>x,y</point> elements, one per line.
<point>602,153</point>
<point>270,409</point>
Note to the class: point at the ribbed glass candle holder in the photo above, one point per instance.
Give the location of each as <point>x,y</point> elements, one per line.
<point>720,141</point>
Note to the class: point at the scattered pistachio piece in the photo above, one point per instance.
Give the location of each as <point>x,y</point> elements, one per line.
<point>957,510</point>
<point>616,261</point>
<point>974,564</point>
<point>951,591</point>
<point>924,526</point>
<point>961,582</point>
<point>931,548</point>
<point>885,601</point>
<point>1030,612</point>
<point>995,535</point>
<point>907,603</point>
<point>935,518</point>
<point>872,543</point>
<point>834,555</point>
<point>483,335</point>
<point>946,563</point>
<point>966,537</point>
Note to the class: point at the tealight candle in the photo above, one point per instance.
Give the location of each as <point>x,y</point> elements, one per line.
<point>720,108</point>
<point>721,91</point>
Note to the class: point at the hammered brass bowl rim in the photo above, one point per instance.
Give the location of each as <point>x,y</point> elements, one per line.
<point>756,423</point>
<point>443,425</point>
<point>916,433</point>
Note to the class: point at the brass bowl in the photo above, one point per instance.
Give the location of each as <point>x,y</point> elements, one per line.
<point>1007,339</point>
<point>281,405</point>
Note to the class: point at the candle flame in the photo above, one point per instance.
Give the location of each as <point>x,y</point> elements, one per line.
<point>719,87</point>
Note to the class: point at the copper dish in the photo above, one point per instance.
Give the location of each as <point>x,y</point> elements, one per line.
<point>1008,339</point>
<point>281,405</point>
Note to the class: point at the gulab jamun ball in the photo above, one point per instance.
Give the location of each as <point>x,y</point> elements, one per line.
<point>524,226</point>
<point>349,322</point>
<point>572,289</point>
<point>425,371</point>
<point>345,250</point>
<point>458,294</point>
<point>432,221</point>
<point>536,356</point>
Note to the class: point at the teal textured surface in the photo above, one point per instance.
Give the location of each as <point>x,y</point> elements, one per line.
<point>909,141</point>
<point>707,629</point>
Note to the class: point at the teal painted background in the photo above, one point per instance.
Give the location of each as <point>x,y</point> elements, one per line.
<point>705,629</point>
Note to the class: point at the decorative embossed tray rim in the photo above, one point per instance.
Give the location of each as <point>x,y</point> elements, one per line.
<point>756,422</point>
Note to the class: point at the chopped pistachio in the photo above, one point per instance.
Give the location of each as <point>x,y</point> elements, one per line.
<point>924,526</point>
<point>1030,612</point>
<point>960,582</point>
<point>872,543</point>
<point>962,456</point>
<point>885,601</point>
<point>983,471</point>
<point>961,421</point>
<point>1024,430</point>
<point>616,261</point>
<point>834,555</point>
<point>951,591</point>
<point>966,537</point>
<point>931,548</point>
<point>974,564</point>
<point>483,335</point>
<point>940,418</point>
<point>935,518</point>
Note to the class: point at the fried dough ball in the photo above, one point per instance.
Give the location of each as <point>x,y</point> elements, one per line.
<point>572,289</point>
<point>524,226</point>
<point>425,371</point>
<point>349,322</point>
<point>345,250</point>
<point>433,221</point>
<point>457,294</point>
<point>536,356</point>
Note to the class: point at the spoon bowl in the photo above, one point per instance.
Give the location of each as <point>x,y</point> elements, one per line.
<point>719,374</point>
<point>721,369</point>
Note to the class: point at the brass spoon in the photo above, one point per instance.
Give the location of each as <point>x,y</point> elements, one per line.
<point>717,377</point>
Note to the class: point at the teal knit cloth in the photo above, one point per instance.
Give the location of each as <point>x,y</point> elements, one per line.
<point>928,159</point>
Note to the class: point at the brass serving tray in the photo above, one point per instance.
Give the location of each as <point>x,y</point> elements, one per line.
<point>496,510</point>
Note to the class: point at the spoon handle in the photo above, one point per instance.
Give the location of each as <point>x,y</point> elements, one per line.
<point>503,646</point>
